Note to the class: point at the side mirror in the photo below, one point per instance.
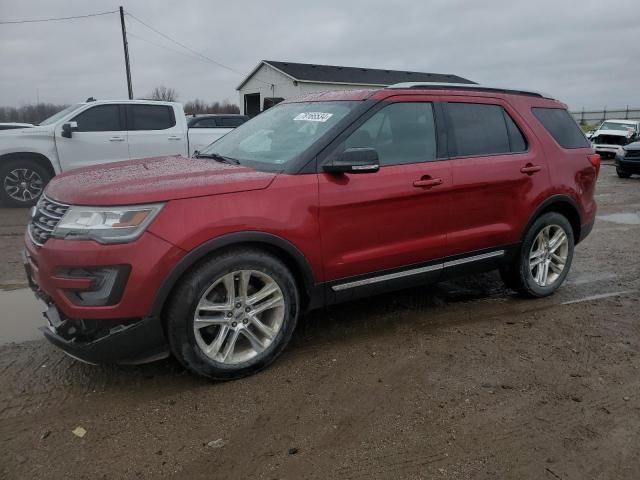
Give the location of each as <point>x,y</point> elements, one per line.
<point>69,127</point>
<point>355,160</point>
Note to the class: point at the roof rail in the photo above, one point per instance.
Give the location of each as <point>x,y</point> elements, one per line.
<point>466,86</point>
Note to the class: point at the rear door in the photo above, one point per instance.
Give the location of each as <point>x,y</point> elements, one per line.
<point>101,137</point>
<point>154,131</point>
<point>499,174</point>
<point>393,220</point>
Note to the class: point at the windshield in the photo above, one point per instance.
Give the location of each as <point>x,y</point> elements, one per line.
<point>623,127</point>
<point>275,137</point>
<point>60,114</point>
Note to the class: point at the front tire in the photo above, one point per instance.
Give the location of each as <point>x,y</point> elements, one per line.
<point>622,173</point>
<point>233,314</point>
<point>544,259</point>
<point>22,182</point>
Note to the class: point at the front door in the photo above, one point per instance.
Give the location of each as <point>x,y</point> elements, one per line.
<point>394,219</point>
<point>100,138</point>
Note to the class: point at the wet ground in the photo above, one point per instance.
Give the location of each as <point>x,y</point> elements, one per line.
<point>462,380</point>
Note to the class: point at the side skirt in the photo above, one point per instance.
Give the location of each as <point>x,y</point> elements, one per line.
<point>347,289</point>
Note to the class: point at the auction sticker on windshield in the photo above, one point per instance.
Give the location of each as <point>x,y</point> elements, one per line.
<point>313,116</point>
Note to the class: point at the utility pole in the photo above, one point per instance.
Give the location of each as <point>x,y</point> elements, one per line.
<point>126,53</point>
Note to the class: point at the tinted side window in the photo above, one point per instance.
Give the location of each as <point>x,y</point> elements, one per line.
<point>401,133</point>
<point>477,129</point>
<point>205,123</point>
<point>232,122</point>
<point>101,118</point>
<point>150,117</point>
<point>562,127</point>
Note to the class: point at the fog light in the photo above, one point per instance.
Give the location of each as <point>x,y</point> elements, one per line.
<point>106,287</point>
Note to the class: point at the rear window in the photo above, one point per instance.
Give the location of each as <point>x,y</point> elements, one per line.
<point>150,117</point>
<point>479,129</point>
<point>562,127</point>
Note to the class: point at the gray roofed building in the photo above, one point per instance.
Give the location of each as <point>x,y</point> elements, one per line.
<point>273,81</point>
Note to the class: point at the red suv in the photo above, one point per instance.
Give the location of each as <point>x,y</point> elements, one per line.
<point>318,200</point>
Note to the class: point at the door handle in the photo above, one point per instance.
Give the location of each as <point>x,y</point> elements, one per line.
<point>116,139</point>
<point>427,182</point>
<point>530,169</point>
<point>174,137</point>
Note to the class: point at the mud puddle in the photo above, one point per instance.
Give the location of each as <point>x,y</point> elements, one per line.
<point>20,317</point>
<point>622,218</point>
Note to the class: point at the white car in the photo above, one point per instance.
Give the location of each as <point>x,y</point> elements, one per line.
<point>613,134</point>
<point>93,133</point>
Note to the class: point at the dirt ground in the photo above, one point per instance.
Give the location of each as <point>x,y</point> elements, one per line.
<point>461,380</point>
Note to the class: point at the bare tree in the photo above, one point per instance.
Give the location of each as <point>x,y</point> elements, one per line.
<point>198,106</point>
<point>33,113</point>
<point>166,94</point>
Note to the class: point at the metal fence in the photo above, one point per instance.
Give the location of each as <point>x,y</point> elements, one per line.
<point>597,116</point>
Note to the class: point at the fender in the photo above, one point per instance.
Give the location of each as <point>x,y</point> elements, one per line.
<point>568,204</point>
<point>254,237</point>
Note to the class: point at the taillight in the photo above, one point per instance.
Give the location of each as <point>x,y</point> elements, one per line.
<point>594,158</point>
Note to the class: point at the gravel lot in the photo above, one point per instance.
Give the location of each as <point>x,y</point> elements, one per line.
<point>460,380</point>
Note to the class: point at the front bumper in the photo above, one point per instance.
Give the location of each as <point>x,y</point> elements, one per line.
<point>628,165</point>
<point>123,332</point>
<point>604,148</point>
<point>123,342</point>
<point>149,260</point>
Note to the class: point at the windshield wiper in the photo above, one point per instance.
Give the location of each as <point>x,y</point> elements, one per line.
<point>218,158</point>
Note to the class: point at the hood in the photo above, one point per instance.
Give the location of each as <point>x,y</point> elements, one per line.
<point>152,180</point>
<point>28,131</point>
<point>617,133</point>
<point>632,146</point>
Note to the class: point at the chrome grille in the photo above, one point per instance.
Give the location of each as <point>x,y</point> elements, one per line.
<point>46,216</point>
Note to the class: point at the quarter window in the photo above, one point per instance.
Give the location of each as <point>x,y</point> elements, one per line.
<point>401,133</point>
<point>562,127</point>
<point>101,118</point>
<point>150,117</point>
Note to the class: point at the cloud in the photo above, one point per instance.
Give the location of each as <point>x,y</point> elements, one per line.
<point>582,52</point>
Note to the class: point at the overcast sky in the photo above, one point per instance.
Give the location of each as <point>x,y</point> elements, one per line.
<point>584,52</point>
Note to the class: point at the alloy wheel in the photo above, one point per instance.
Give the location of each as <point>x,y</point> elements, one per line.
<point>239,316</point>
<point>548,255</point>
<point>23,184</point>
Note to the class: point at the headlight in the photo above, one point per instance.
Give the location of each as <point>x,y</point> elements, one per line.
<point>106,224</point>
<point>621,152</point>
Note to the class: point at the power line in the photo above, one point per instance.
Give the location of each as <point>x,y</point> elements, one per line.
<point>198,54</point>
<point>184,46</point>
<point>58,18</point>
<point>131,34</point>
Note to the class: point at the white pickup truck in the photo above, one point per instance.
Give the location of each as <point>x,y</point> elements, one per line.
<point>91,133</point>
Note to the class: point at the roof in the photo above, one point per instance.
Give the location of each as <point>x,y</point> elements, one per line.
<point>308,72</point>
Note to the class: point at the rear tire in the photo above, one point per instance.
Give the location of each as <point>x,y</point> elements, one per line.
<point>544,258</point>
<point>622,173</point>
<point>22,181</point>
<point>214,323</point>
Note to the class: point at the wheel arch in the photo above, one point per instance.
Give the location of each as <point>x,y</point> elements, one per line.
<point>564,205</point>
<point>37,157</point>
<point>284,250</point>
